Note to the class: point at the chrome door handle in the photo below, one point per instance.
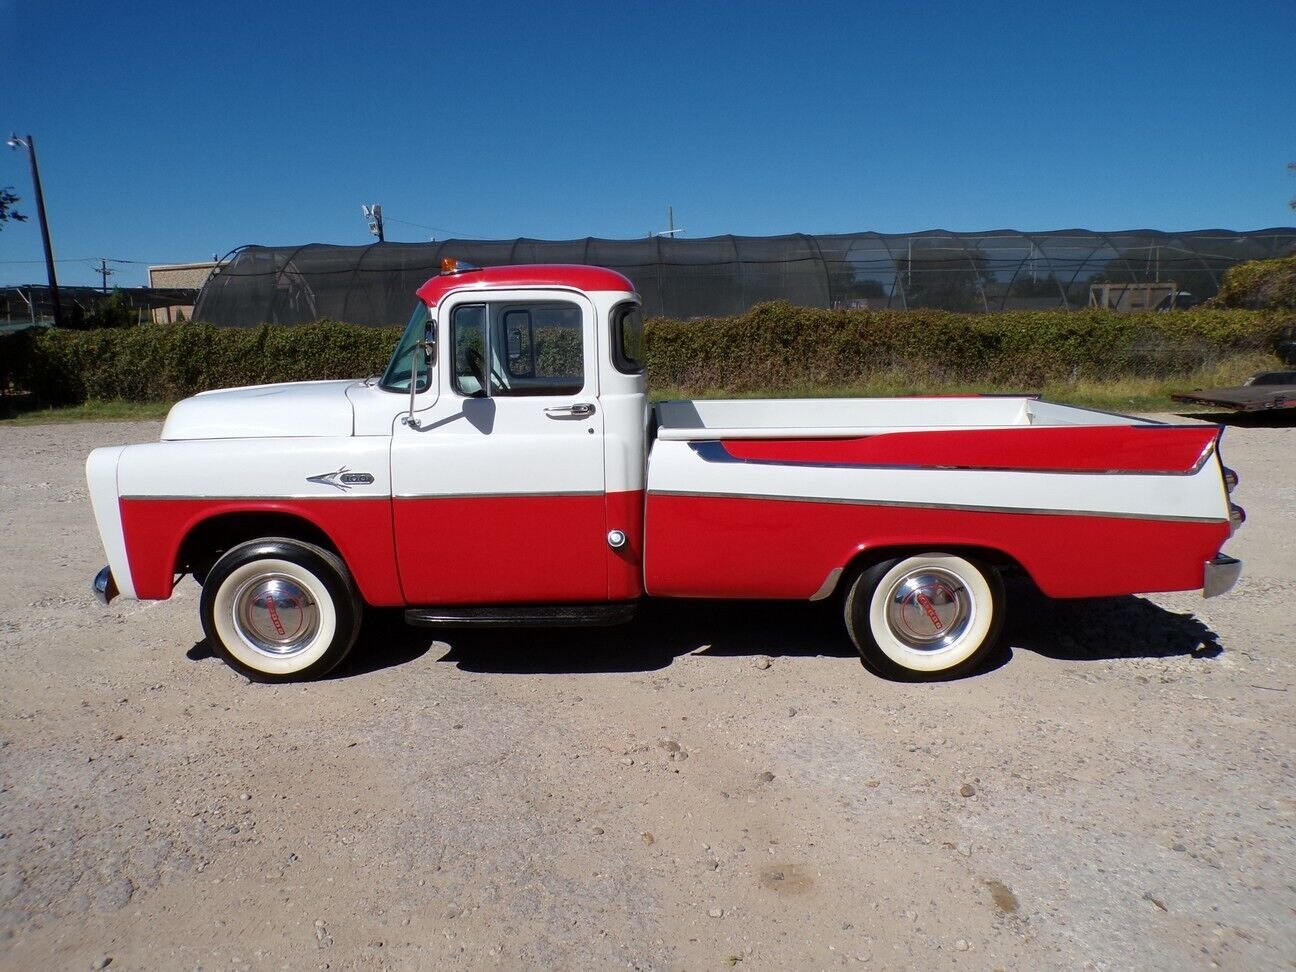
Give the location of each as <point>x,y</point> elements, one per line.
<point>579,410</point>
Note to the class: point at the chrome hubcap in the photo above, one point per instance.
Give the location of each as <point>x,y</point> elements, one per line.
<point>275,615</point>
<point>928,609</point>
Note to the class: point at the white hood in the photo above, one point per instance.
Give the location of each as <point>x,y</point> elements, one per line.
<point>304,408</point>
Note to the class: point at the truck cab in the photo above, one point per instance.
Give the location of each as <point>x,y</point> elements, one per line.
<point>521,445</point>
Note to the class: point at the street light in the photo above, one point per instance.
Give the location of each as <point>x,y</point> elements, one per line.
<point>30,145</point>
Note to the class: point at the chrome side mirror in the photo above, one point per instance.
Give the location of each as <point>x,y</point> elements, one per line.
<point>426,347</point>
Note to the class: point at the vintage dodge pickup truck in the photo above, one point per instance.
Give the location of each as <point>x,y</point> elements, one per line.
<point>508,469</point>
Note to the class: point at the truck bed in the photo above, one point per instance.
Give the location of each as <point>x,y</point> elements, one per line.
<point>847,417</point>
<point>776,498</point>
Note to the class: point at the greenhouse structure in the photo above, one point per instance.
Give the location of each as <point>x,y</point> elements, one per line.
<point>725,275</point>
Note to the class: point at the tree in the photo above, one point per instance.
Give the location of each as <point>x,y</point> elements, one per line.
<point>935,274</point>
<point>7,212</point>
<point>1032,285</point>
<point>846,285</point>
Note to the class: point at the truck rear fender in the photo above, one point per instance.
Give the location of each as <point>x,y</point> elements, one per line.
<point>839,579</point>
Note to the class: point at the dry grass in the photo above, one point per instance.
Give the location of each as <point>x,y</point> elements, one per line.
<point>96,411</point>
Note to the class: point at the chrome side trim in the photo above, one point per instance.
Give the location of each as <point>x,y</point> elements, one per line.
<point>546,493</point>
<point>1206,455</point>
<point>1222,572</point>
<point>906,504</point>
<point>713,450</point>
<point>104,587</point>
<point>258,499</point>
<point>828,586</point>
<point>270,497</point>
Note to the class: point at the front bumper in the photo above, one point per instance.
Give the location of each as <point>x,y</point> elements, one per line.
<point>1222,572</point>
<point>104,587</point>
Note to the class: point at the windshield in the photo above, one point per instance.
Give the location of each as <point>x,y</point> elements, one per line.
<point>397,376</point>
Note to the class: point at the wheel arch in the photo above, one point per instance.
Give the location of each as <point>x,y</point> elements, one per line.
<point>208,538</point>
<point>866,557</point>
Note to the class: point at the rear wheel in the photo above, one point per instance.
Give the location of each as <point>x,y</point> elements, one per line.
<point>925,617</point>
<point>280,610</point>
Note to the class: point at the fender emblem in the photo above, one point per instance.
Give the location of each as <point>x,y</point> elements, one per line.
<point>342,479</point>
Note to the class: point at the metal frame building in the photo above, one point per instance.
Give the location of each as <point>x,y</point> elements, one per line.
<point>684,278</point>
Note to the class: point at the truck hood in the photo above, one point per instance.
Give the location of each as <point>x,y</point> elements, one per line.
<point>303,408</point>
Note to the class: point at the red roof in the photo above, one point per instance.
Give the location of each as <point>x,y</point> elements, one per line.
<point>539,275</point>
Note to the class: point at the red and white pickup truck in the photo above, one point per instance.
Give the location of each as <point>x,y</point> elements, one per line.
<point>508,469</point>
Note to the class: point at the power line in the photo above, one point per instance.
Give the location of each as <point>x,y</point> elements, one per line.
<point>90,260</point>
<point>436,229</point>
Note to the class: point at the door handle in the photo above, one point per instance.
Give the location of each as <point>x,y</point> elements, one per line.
<point>579,410</point>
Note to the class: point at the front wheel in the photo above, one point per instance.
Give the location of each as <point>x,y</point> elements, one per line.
<point>280,610</point>
<point>925,617</point>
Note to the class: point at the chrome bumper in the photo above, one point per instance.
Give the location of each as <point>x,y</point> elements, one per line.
<point>104,587</point>
<point>1222,572</point>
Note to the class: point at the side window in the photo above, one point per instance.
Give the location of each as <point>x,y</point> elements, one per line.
<point>534,349</point>
<point>627,338</point>
<point>468,348</point>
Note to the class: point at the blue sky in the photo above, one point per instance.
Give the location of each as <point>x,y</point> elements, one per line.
<point>171,131</point>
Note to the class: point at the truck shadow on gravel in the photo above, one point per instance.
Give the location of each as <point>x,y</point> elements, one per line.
<point>661,632</point>
<point>1086,630</point>
<point>1100,628</point>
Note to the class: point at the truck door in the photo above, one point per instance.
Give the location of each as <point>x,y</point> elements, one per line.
<point>498,495</point>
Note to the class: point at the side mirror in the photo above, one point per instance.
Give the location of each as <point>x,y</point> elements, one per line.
<point>429,343</point>
<point>427,347</point>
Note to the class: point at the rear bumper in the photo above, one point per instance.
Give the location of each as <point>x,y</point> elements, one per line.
<point>104,586</point>
<point>1222,572</point>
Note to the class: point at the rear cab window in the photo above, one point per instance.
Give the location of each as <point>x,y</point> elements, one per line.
<point>627,338</point>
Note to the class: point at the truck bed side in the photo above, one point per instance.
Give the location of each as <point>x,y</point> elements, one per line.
<point>739,511</point>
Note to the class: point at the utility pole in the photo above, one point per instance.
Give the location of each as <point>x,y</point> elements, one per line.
<point>30,145</point>
<point>104,271</point>
<point>670,219</point>
<point>374,215</point>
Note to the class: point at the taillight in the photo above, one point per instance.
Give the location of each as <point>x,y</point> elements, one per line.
<point>1230,479</point>
<point>1237,516</point>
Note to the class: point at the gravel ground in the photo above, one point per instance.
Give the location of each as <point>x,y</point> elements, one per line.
<point>1116,792</point>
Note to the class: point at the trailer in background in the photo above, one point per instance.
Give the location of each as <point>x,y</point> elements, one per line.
<point>1264,391</point>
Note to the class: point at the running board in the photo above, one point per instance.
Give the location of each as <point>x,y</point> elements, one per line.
<point>523,615</point>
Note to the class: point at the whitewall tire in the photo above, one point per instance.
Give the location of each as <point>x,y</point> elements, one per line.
<point>280,610</point>
<point>925,617</point>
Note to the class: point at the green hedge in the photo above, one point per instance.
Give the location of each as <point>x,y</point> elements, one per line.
<point>776,345</point>
<point>1259,284</point>
<point>771,346</point>
<point>165,362</point>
